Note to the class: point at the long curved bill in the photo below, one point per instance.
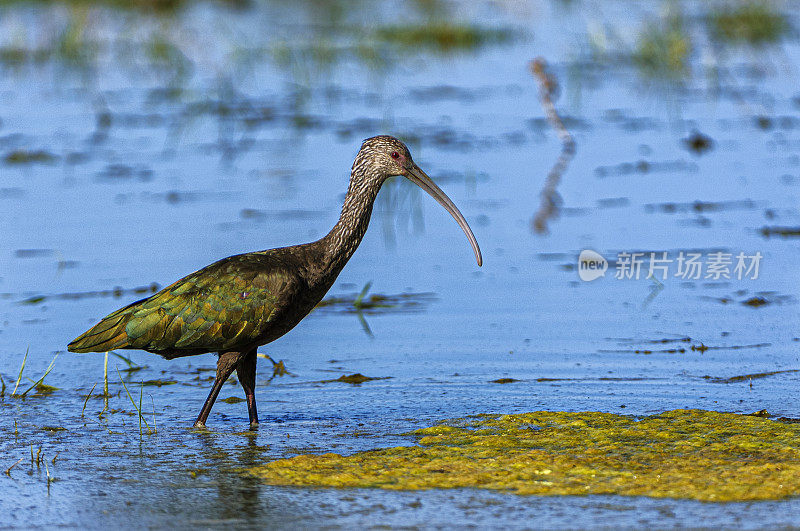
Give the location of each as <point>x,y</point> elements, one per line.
<point>418,177</point>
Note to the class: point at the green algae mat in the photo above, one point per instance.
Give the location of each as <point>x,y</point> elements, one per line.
<point>694,454</point>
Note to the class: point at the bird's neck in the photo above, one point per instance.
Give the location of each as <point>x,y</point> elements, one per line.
<point>343,240</point>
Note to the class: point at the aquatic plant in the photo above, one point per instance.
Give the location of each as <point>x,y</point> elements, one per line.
<point>752,22</point>
<point>441,37</point>
<point>663,48</point>
<point>695,454</point>
<point>138,407</point>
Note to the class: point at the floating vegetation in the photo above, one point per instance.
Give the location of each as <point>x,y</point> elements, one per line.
<point>697,347</point>
<point>442,37</point>
<point>33,253</point>
<point>699,207</point>
<point>680,339</point>
<point>753,22</point>
<point>691,454</point>
<point>762,298</point>
<point>377,303</point>
<point>678,350</point>
<point>157,383</point>
<point>698,143</point>
<point>755,302</point>
<point>232,400</point>
<point>355,379</point>
<point>782,232</point>
<point>124,172</point>
<point>115,292</point>
<point>693,346</point>
<point>644,167</point>
<point>504,380</point>
<point>600,379</point>
<point>43,389</point>
<point>278,367</point>
<point>748,377</point>
<point>281,215</point>
<point>154,6</point>
<point>21,156</point>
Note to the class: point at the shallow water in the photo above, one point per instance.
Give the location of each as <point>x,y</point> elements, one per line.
<point>124,169</point>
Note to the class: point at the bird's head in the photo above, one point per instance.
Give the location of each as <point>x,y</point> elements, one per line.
<point>381,157</point>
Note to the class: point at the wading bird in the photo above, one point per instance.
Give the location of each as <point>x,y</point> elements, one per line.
<point>239,303</point>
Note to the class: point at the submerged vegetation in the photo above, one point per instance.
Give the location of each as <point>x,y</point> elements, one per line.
<point>751,22</point>
<point>693,454</point>
<point>160,41</point>
<point>666,45</point>
<point>664,48</point>
<point>154,6</point>
<point>442,37</point>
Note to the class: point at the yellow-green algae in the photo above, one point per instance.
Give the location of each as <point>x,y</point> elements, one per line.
<point>702,455</point>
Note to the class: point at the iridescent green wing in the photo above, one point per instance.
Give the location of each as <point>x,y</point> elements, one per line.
<point>227,304</point>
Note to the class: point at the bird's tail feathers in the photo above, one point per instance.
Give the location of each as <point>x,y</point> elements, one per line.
<point>108,334</point>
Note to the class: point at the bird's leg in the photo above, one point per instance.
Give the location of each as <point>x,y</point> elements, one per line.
<point>246,371</point>
<point>225,366</point>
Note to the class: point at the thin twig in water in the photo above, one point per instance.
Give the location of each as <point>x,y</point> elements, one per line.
<point>8,470</point>
<point>87,399</point>
<point>550,200</point>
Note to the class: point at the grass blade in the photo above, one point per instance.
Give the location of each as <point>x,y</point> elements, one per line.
<point>141,418</point>
<point>49,368</point>
<point>127,361</point>
<point>141,392</point>
<point>20,371</point>
<point>87,399</point>
<point>360,298</point>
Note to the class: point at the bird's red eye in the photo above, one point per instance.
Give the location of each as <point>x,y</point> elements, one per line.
<point>395,155</point>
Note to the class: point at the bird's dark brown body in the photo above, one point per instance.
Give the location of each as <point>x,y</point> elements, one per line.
<point>235,304</point>
<point>239,303</point>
